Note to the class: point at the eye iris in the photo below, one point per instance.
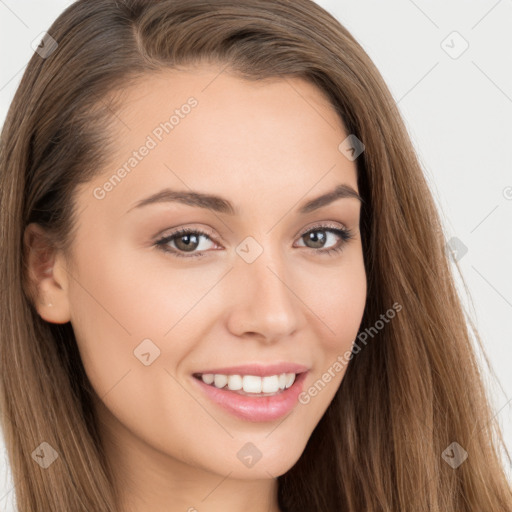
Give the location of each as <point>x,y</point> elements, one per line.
<point>187,246</point>
<point>313,237</point>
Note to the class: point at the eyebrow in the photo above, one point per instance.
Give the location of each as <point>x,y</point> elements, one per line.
<point>221,205</point>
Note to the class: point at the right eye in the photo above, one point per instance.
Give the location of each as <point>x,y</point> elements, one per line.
<point>187,239</point>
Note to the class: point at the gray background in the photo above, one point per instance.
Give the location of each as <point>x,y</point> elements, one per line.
<point>458,110</point>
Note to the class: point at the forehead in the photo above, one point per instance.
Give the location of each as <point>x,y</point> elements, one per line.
<point>206,129</point>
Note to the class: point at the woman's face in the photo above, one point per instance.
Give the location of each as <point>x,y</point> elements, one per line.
<point>252,282</point>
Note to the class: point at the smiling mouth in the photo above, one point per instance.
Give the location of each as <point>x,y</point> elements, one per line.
<point>249,385</point>
<point>258,398</point>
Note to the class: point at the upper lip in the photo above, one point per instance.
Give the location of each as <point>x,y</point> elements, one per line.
<point>256,369</point>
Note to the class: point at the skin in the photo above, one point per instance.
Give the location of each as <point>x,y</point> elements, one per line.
<point>267,147</point>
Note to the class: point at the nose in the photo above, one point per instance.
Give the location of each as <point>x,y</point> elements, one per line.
<point>263,303</point>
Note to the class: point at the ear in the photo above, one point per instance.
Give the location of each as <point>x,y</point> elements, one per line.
<point>47,276</point>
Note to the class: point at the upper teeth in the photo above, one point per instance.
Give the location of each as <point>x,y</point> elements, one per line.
<point>250,383</point>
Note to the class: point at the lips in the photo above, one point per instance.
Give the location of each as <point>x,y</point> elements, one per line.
<point>251,406</point>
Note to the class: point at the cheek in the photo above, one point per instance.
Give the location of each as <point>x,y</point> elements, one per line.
<point>337,298</point>
<point>337,310</point>
<point>113,309</point>
<point>122,301</point>
<point>135,293</point>
<point>338,306</point>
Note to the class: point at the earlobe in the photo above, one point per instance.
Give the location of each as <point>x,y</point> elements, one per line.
<point>47,281</point>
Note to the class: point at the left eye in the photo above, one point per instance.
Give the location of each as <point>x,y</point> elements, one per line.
<point>187,240</point>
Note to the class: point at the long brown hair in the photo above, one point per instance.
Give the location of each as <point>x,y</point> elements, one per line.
<point>407,395</point>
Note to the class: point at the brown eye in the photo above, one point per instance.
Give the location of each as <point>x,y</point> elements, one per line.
<point>185,241</point>
<point>317,237</point>
<point>316,240</point>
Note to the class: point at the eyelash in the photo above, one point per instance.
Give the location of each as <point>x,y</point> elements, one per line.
<point>345,235</point>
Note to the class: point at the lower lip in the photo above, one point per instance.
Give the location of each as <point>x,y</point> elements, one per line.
<point>256,408</point>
